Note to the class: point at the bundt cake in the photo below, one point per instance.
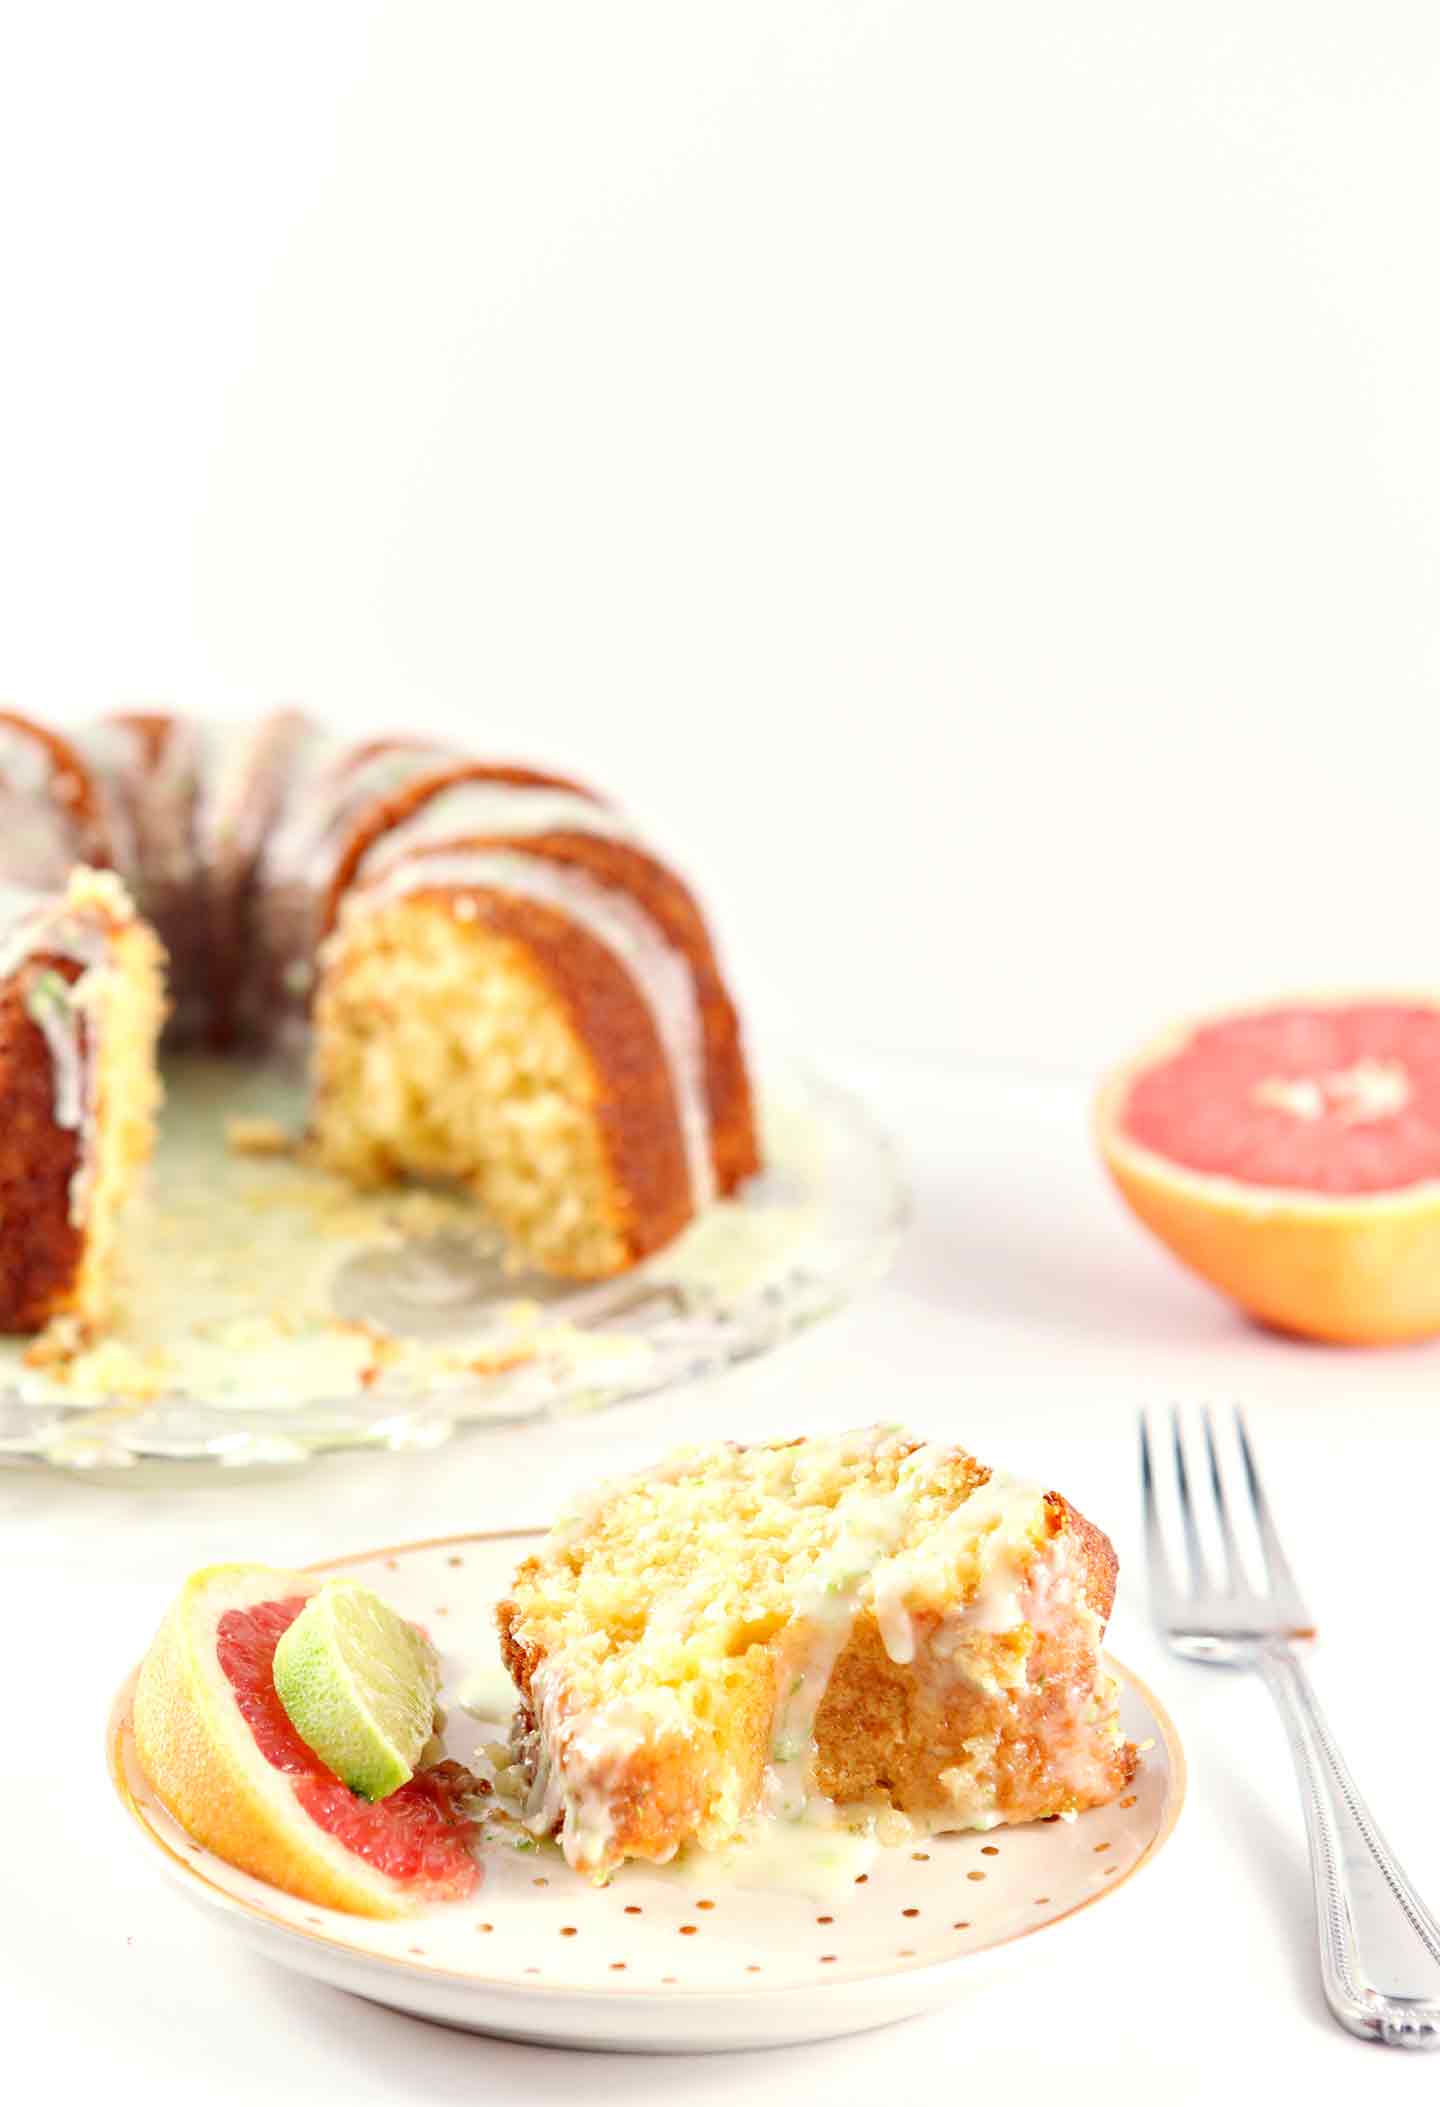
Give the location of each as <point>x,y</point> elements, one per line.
<point>493,983</point>
<point>837,1629</point>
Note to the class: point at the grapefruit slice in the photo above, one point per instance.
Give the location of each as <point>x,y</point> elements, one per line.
<point>1291,1156</point>
<point>216,1743</point>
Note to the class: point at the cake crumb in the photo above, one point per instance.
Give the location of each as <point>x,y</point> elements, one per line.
<point>257,1137</point>
<point>60,1342</point>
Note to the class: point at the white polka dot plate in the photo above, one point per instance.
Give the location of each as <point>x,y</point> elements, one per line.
<point>705,1954</point>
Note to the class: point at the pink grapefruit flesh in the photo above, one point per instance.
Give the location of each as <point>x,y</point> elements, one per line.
<point>414,1835</point>
<point>1325,1100</point>
<point>1291,1156</point>
<point>216,1745</point>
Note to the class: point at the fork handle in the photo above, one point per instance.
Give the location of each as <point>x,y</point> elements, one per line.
<point>1379,1944</point>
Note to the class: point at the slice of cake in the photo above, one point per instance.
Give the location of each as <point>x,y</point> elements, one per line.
<point>81,1004</point>
<point>819,1629</point>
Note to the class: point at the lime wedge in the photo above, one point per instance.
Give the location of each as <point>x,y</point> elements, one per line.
<point>359,1685</point>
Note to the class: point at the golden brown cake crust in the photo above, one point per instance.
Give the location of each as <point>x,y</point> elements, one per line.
<point>1095,1554</point>
<point>41,1249</point>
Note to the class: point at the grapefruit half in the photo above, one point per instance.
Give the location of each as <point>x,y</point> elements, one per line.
<point>1290,1155</point>
<point>217,1745</point>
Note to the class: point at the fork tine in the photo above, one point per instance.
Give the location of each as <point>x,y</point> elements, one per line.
<point>1194,1549</point>
<point>1234,1565</point>
<point>1277,1565</point>
<point>1162,1581</point>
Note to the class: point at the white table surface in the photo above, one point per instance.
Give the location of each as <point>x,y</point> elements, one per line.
<point>1027,1316</point>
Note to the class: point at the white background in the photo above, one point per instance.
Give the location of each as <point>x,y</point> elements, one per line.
<point>971,474</point>
<point>971,477</point>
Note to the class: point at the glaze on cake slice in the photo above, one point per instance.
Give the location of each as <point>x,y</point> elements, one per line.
<point>846,1628</point>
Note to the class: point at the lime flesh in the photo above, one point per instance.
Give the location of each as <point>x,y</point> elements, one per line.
<point>359,1686</point>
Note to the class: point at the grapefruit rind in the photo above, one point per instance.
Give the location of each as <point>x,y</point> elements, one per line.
<point>1348,1269</point>
<point>198,1752</point>
<point>359,1684</point>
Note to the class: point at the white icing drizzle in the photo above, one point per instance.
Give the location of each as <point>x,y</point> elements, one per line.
<point>660,973</point>
<point>40,838</point>
<point>470,811</point>
<point>53,1010</point>
<point>328,791</point>
<point>36,839</point>
<point>153,796</point>
<point>1004,1513</point>
<point>573,1761</point>
<point>26,763</point>
<point>34,923</point>
<point>862,1568</point>
<point>166,806</point>
<point>571,1795</point>
<point>112,754</point>
<point>32,920</point>
<point>827,1602</point>
<point>235,762</point>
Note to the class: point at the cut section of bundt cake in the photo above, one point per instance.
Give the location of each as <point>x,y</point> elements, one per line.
<point>821,1629</point>
<point>81,1005</point>
<point>510,992</point>
<point>545,1023</point>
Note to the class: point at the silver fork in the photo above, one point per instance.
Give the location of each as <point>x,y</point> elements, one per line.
<point>1379,1944</point>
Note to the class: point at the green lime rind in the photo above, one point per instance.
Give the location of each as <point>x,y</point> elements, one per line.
<point>359,1685</point>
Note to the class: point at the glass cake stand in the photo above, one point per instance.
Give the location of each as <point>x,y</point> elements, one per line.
<point>269,1312</point>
